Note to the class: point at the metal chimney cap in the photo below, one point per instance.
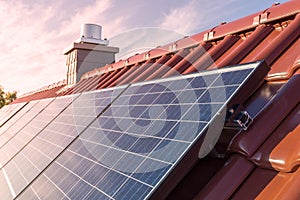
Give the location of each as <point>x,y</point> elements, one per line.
<point>91,33</point>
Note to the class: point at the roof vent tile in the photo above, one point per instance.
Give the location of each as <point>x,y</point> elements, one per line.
<point>126,62</point>
<point>173,47</point>
<point>146,56</point>
<point>275,4</point>
<point>211,35</point>
<point>256,20</point>
<point>264,17</point>
<point>205,37</point>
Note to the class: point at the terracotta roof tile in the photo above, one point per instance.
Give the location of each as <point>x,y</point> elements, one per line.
<point>240,52</point>
<point>281,150</point>
<point>150,69</point>
<point>286,63</point>
<point>286,155</point>
<point>260,47</point>
<point>280,43</point>
<point>188,60</point>
<point>223,49</point>
<point>47,93</point>
<point>254,184</point>
<point>127,73</point>
<point>107,78</point>
<point>113,81</point>
<point>197,178</point>
<point>91,85</point>
<point>278,107</point>
<point>136,71</point>
<point>227,179</point>
<point>262,96</point>
<point>76,88</point>
<point>282,186</point>
<point>162,70</point>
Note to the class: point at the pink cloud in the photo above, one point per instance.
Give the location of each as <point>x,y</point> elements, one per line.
<point>33,35</point>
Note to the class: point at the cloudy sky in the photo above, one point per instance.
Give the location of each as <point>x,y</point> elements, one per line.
<point>33,33</point>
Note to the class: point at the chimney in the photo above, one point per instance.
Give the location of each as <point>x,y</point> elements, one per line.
<point>87,53</point>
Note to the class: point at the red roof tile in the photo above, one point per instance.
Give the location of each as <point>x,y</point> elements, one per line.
<point>227,179</point>
<point>281,150</point>
<point>286,155</point>
<point>135,71</point>
<point>263,126</point>
<point>47,92</point>
<point>253,185</point>
<point>173,61</point>
<point>188,60</point>
<point>282,186</point>
<point>148,70</point>
<point>251,41</point>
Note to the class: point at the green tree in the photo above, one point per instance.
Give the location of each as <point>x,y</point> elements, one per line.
<point>10,97</point>
<point>6,97</point>
<point>2,97</point>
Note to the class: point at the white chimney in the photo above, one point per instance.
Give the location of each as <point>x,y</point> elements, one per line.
<point>88,52</point>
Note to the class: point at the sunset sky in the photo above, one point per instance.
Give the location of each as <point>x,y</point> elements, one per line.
<point>33,33</point>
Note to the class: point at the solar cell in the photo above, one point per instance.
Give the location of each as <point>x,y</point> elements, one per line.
<point>130,149</point>
<point>46,144</point>
<point>9,111</point>
<point>5,109</point>
<point>17,116</point>
<point>9,133</point>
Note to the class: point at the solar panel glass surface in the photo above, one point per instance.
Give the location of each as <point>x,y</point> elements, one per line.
<point>132,147</point>
<point>41,149</point>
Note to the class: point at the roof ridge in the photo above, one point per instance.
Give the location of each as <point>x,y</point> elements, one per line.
<point>45,88</point>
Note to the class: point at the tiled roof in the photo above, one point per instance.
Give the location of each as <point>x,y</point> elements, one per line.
<point>241,41</point>
<point>260,162</point>
<point>46,92</point>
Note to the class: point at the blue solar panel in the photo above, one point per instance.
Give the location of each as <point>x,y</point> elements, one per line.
<point>14,138</point>
<point>17,117</point>
<point>16,141</point>
<point>130,149</point>
<point>48,143</point>
<point>9,111</point>
<point>4,110</point>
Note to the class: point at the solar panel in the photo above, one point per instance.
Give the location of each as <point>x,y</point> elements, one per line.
<point>17,116</point>
<point>5,109</point>
<point>31,129</point>
<point>132,147</point>
<point>7,133</point>
<point>51,140</point>
<point>10,112</point>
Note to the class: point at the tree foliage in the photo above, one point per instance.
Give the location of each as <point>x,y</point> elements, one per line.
<point>6,97</point>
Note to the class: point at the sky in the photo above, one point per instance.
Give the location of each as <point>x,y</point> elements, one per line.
<point>34,33</point>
